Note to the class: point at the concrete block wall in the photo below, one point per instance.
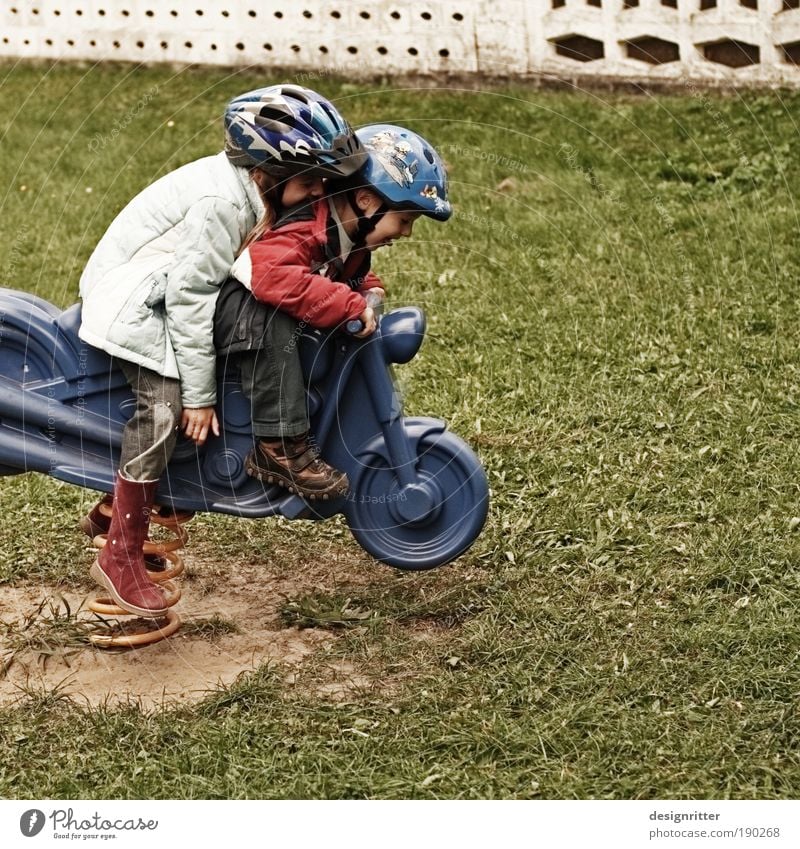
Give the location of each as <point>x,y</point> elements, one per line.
<point>728,41</point>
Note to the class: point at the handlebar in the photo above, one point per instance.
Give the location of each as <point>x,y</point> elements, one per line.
<point>375,301</point>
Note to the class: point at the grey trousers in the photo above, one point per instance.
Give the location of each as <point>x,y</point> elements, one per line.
<point>273,380</point>
<point>149,437</point>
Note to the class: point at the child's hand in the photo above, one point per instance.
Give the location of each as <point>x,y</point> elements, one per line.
<point>367,318</point>
<point>375,296</point>
<point>195,423</point>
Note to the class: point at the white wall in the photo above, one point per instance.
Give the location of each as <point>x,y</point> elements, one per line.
<point>507,37</point>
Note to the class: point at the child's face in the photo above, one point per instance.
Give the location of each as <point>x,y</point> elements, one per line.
<point>393,225</point>
<point>301,189</point>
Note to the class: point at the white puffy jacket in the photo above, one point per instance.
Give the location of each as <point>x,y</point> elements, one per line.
<point>150,288</point>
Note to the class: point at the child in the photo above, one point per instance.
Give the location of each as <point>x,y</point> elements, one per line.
<point>313,267</point>
<point>149,291</point>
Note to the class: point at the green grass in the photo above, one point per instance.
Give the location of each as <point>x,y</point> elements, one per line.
<point>615,329</point>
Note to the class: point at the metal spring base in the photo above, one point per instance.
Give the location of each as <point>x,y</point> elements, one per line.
<point>174,567</point>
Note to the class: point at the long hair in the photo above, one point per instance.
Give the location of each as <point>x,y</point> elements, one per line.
<point>266,184</point>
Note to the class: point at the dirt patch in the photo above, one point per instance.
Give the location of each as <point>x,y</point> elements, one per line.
<point>233,624</point>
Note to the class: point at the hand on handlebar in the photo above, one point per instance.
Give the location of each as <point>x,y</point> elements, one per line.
<point>375,297</point>
<point>368,323</point>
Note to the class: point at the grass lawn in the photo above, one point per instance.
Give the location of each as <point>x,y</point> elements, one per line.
<point>613,320</point>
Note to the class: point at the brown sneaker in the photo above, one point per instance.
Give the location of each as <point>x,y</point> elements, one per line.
<point>294,463</point>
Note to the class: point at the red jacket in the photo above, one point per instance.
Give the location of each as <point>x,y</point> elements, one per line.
<point>296,267</point>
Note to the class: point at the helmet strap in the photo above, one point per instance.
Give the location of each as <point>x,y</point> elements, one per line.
<point>366,223</point>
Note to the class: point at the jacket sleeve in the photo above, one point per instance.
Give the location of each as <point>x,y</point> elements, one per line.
<point>203,260</point>
<point>279,274</point>
<point>371,281</point>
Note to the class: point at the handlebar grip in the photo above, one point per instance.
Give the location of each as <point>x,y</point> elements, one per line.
<point>375,302</point>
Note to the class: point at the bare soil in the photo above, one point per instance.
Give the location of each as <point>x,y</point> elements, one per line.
<point>192,663</point>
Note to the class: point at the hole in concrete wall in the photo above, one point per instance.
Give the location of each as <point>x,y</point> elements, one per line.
<point>213,46</point>
<point>444,53</point>
<point>307,14</point>
<point>116,44</point>
<point>790,4</point>
<point>174,13</point>
<point>395,15</point>
<point>557,4</point>
<point>670,4</point>
<point>655,51</point>
<point>365,15</point>
<point>581,48</point>
<point>187,44</point>
<point>225,13</point>
<point>79,11</point>
<point>199,13</point>
<point>426,16</point>
<point>278,14</point>
<point>733,54</point>
<point>70,42</point>
<point>101,12</point>
<point>164,45</point>
<point>47,41</point>
<point>240,45</point>
<point>457,16</point>
<point>267,46</point>
<point>336,14</point>
<point>413,51</point>
<point>383,51</point>
<point>791,52</point>
<point>749,4</point>
<point>149,13</point>
<point>252,13</point>
<point>597,3</point>
<point>323,49</point>
<point>295,48</point>
<point>352,50</point>
<point>630,4</point>
<point>140,44</point>
<point>125,13</point>
<point>707,4</point>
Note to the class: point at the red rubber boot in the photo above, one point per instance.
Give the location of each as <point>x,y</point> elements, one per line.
<point>120,564</point>
<point>96,522</point>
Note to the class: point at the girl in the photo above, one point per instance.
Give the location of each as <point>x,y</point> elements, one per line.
<point>149,292</point>
<point>313,267</point>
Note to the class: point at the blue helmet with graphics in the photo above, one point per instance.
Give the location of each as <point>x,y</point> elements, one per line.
<point>405,170</point>
<point>289,129</point>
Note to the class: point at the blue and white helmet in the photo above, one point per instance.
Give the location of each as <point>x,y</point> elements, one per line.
<point>405,170</point>
<point>288,129</point>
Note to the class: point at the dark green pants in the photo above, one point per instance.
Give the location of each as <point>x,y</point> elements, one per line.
<point>273,381</point>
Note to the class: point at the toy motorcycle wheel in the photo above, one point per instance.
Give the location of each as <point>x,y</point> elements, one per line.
<point>425,524</point>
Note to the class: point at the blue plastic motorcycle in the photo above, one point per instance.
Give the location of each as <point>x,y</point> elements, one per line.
<point>418,497</point>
